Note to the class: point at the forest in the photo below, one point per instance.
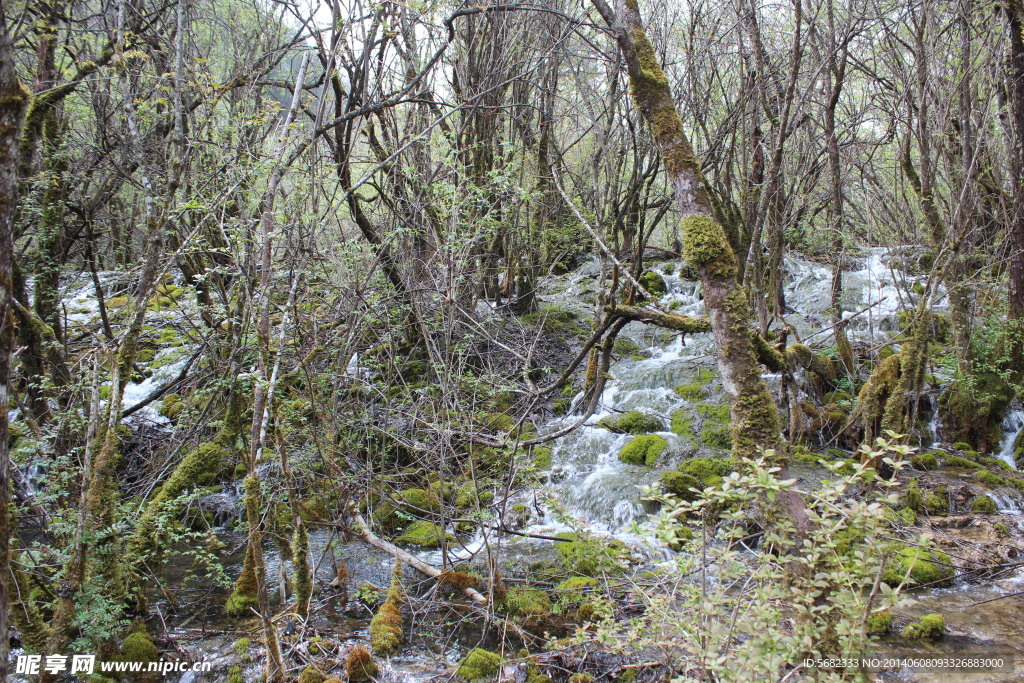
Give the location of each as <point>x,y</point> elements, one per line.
<point>541,342</point>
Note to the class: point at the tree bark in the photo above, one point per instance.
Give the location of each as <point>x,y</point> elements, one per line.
<point>1015,78</point>
<point>14,99</point>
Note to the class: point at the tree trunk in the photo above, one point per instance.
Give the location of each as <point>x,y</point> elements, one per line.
<point>755,419</point>
<point>14,100</point>
<point>1015,78</point>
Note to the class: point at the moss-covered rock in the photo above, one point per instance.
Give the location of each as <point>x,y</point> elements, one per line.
<point>691,392</point>
<point>879,622</point>
<point>680,484</point>
<point>716,436</point>
<point>983,504</point>
<point>989,479</point>
<point>632,422</point>
<point>359,665</point>
<point>311,675</point>
<point>653,282</point>
<point>924,461</point>
<point>643,450</point>
<point>137,647</point>
<point>925,567</point>
<point>419,500</point>
<point>530,603</point>
<point>543,458</point>
<point>386,635</point>
<point>478,664</point>
<point>424,534</point>
<point>937,500</point>
<point>708,470</point>
<point>589,556</point>
<point>468,494</point>
<point>682,423</point>
<point>171,406</point>
<point>957,461</point>
<point>929,626</point>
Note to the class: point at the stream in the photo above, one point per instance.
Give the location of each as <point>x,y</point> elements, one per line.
<point>594,488</point>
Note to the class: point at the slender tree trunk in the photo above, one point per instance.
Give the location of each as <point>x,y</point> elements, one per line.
<point>1015,78</point>
<point>14,99</point>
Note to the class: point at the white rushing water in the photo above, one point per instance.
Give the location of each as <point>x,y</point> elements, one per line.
<point>589,481</point>
<point>1013,424</point>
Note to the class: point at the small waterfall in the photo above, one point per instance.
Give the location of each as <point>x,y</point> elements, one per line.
<point>1013,424</point>
<point>1006,504</point>
<point>934,424</point>
<point>33,476</point>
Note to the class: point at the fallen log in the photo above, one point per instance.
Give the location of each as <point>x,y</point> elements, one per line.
<point>363,531</point>
<point>672,321</point>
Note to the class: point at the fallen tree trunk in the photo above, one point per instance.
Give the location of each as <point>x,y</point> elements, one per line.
<point>363,531</point>
<point>672,321</point>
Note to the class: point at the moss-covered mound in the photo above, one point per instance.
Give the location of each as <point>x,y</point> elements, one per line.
<point>478,664</point>
<point>643,450</point>
<point>682,423</point>
<point>633,422</point>
<point>929,626</point>
<point>424,534</point>
<point>530,603</point>
<point>359,665</point>
<point>653,282</point>
<point>590,556</point>
<point>919,566</point>
<point>680,484</point>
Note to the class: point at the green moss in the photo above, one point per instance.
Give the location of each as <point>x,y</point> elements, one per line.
<point>924,461</point>
<point>479,663</point>
<point>311,675</point>
<point>633,422</point>
<point>424,534</point>
<point>929,626</point>
<point>171,406</point>
<point>643,450</point>
<point>927,567</point>
<point>235,675</point>
<point>937,501</point>
<point>542,458</point>
<point>983,504</point>
<point>575,583</point>
<point>879,622</point>
<point>691,392</point>
<point>527,602</point>
<point>682,423</point>
<point>589,556</point>
<point>679,484</point>
<point>988,479</point>
<point>653,282</point>
<point>419,500</point>
<point>468,494</point>
<point>716,436</point>
<point>708,470</point>
<point>137,647</point>
<point>359,665</point>
<point>581,678</point>
<point>386,634</point>
<point>957,461</point>
<point>704,241</point>
<point>912,497</point>
<point>719,413</point>
<point>116,302</point>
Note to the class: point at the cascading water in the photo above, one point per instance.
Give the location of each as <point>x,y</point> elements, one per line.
<point>589,480</point>
<point>1013,425</point>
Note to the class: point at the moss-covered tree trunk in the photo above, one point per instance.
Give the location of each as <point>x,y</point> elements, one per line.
<point>14,100</point>
<point>755,421</point>
<point>755,416</point>
<point>1015,81</point>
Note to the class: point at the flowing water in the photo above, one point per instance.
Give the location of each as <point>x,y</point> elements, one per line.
<point>591,487</point>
